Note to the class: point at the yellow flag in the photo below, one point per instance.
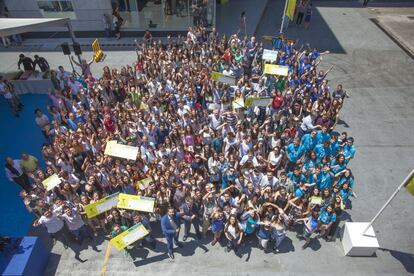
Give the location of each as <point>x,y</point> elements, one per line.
<point>290,9</point>
<point>410,185</point>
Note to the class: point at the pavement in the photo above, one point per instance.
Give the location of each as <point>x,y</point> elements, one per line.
<point>379,114</point>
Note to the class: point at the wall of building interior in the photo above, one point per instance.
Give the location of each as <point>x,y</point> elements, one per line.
<point>137,14</point>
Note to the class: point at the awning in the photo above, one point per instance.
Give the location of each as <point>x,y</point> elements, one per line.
<point>12,26</point>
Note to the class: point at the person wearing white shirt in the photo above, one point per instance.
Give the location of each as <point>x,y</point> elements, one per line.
<point>15,174</point>
<point>54,225</point>
<point>249,157</point>
<point>307,125</point>
<point>256,178</point>
<point>269,181</point>
<point>75,224</point>
<point>215,119</point>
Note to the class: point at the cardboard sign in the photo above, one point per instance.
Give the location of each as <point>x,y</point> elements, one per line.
<point>136,232</point>
<point>217,76</point>
<point>101,206</point>
<point>257,101</point>
<point>269,55</point>
<point>138,203</point>
<point>122,151</point>
<point>317,200</point>
<point>143,183</point>
<point>273,69</point>
<point>51,182</point>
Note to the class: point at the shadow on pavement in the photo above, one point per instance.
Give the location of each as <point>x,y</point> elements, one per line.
<point>406,259</point>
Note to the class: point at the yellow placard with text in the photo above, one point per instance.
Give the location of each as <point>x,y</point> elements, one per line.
<point>136,232</point>
<point>137,203</point>
<point>143,183</point>
<point>257,101</point>
<point>273,69</point>
<point>101,206</point>
<point>51,182</point>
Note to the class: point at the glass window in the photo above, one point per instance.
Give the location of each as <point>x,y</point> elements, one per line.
<point>61,8</point>
<point>165,14</point>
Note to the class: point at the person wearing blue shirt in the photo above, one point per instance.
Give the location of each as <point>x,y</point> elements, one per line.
<point>326,178</point>
<point>248,221</point>
<point>326,219</point>
<point>228,176</point>
<point>323,150</point>
<point>294,152</point>
<point>346,176</point>
<point>322,135</point>
<point>346,193</point>
<point>296,176</point>
<point>170,226</point>
<point>349,149</point>
<point>338,164</point>
<point>335,148</point>
<point>309,141</point>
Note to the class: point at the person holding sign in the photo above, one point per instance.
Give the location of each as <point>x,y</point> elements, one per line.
<point>170,225</point>
<point>139,218</point>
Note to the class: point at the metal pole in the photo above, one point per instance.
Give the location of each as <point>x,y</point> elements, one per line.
<point>283,18</point>
<point>389,200</point>
<point>72,36</point>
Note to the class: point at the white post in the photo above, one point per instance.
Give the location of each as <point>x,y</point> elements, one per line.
<point>283,18</point>
<point>389,200</point>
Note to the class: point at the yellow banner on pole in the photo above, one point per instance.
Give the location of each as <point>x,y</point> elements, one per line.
<point>136,232</point>
<point>290,9</point>
<point>138,203</point>
<point>410,186</point>
<point>103,205</point>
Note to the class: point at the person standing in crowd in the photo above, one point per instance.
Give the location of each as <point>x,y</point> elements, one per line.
<point>42,122</point>
<point>29,163</point>
<point>308,15</point>
<point>28,64</point>
<point>107,24</point>
<point>85,66</point>
<point>300,11</point>
<point>242,25</point>
<point>54,224</point>
<point>117,22</point>
<point>42,63</point>
<point>15,173</point>
<point>7,90</point>
<point>170,225</point>
<point>75,224</point>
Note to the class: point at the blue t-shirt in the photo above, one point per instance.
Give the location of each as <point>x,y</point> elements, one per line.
<point>326,218</point>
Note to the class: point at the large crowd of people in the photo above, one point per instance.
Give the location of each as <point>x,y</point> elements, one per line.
<point>239,173</point>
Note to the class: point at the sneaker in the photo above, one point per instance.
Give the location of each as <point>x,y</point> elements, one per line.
<point>126,254</point>
<point>213,242</point>
<point>171,255</point>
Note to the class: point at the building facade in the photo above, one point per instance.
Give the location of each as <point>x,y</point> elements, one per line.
<point>138,15</point>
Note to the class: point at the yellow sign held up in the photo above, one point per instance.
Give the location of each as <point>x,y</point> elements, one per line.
<point>103,205</point>
<point>136,232</point>
<point>138,203</point>
<point>98,53</point>
<point>410,186</point>
<point>273,69</point>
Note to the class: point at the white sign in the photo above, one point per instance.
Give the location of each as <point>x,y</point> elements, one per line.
<point>122,151</point>
<point>269,55</point>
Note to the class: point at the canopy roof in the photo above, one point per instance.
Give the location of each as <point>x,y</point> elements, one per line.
<point>12,26</point>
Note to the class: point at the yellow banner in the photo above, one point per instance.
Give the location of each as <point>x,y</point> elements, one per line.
<point>143,183</point>
<point>101,206</point>
<point>257,101</point>
<point>136,232</point>
<point>51,182</point>
<point>410,186</point>
<point>217,76</point>
<point>138,203</point>
<point>273,69</point>
<point>290,9</point>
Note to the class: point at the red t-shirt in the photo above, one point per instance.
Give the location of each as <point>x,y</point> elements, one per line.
<point>277,102</point>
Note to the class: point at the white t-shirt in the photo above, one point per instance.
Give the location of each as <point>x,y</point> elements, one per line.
<point>53,224</point>
<point>232,231</point>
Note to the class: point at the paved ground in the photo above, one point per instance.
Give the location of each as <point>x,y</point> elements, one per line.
<point>380,115</point>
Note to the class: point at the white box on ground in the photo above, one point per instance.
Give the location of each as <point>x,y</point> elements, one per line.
<point>357,244</point>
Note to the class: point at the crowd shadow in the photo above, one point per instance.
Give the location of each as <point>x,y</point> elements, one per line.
<point>53,264</point>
